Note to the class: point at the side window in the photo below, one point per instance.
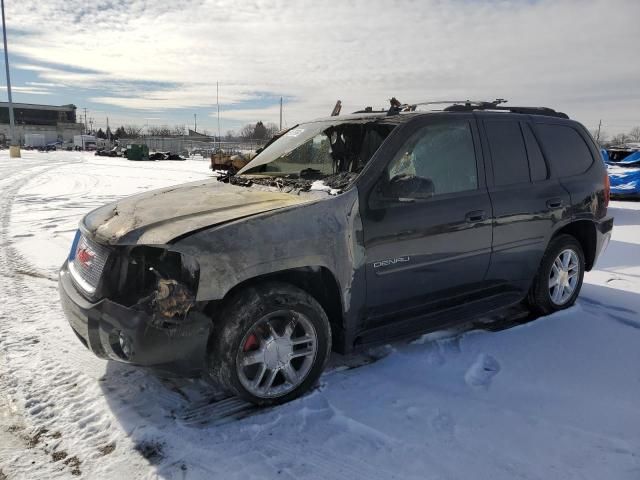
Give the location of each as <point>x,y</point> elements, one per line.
<point>565,148</point>
<point>437,159</point>
<point>537,165</point>
<point>508,153</point>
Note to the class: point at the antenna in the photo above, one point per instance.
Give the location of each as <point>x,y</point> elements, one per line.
<point>336,110</point>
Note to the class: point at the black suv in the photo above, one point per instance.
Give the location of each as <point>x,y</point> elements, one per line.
<point>342,233</point>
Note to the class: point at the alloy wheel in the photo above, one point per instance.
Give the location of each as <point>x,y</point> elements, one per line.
<point>276,354</point>
<point>564,276</point>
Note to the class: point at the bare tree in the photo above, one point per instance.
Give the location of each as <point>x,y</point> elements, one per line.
<point>272,129</point>
<point>132,131</point>
<point>620,139</point>
<point>246,132</point>
<point>634,134</point>
<point>230,136</point>
<point>601,137</point>
<point>179,130</point>
<point>159,131</point>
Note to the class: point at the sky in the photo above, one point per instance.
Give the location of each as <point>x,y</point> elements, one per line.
<point>157,62</point>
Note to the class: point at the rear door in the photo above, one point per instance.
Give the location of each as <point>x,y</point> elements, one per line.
<point>526,201</point>
<point>428,247</point>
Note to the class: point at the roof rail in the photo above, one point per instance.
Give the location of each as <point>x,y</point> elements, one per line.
<point>469,106</point>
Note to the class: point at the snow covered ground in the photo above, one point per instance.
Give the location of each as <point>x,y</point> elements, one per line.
<point>556,398</point>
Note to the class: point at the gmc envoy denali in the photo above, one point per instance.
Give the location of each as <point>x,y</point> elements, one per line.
<point>342,233</point>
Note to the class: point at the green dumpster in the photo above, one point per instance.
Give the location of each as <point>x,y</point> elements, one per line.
<point>137,151</point>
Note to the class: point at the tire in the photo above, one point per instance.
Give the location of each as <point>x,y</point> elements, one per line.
<point>254,324</point>
<point>541,296</point>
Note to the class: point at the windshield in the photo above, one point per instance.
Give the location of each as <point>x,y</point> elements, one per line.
<point>321,149</point>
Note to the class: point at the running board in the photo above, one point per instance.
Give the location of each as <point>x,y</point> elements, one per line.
<point>425,323</point>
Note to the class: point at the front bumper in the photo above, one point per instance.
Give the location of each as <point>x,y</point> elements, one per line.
<point>124,334</point>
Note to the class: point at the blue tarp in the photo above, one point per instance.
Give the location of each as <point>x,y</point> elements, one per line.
<point>633,158</point>
<point>625,181</point>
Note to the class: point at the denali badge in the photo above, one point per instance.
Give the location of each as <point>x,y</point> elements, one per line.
<point>391,261</point>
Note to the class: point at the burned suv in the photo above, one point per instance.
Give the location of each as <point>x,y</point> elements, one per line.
<point>342,233</point>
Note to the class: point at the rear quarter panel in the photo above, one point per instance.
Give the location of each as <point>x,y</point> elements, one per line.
<point>587,189</point>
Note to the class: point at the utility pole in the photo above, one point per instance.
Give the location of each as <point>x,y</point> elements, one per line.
<point>85,120</point>
<point>195,122</point>
<point>218,104</point>
<point>14,146</point>
<point>280,113</point>
<point>598,134</point>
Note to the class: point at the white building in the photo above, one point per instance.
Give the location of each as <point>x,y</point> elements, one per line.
<point>56,123</point>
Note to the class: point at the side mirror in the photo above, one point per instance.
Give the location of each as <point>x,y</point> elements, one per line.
<point>406,188</point>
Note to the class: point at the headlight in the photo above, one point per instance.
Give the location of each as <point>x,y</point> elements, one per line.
<point>161,282</point>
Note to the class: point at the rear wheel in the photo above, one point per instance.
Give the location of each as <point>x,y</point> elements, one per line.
<point>271,344</point>
<point>560,276</point>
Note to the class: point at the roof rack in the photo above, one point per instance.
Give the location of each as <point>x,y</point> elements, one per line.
<point>468,106</point>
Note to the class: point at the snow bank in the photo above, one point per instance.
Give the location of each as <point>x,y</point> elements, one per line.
<point>554,398</point>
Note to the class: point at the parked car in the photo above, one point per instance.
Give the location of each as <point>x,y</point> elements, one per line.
<point>395,224</point>
<point>623,165</point>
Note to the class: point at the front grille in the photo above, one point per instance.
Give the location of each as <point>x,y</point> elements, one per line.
<point>87,263</point>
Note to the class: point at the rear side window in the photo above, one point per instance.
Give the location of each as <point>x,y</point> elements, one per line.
<point>508,153</point>
<point>537,165</point>
<point>565,148</point>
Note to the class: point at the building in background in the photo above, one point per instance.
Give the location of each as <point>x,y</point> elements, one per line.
<point>55,123</point>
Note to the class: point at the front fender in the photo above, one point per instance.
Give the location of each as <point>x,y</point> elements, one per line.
<point>321,234</point>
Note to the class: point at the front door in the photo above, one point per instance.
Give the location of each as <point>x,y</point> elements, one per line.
<point>427,221</point>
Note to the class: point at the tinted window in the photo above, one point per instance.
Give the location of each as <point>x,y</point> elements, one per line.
<point>442,154</point>
<point>565,149</point>
<point>537,165</point>
<point>508,153</point>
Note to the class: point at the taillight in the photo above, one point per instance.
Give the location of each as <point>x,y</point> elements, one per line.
<point>607,190</point>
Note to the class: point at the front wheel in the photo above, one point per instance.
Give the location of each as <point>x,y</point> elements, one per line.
<point>560,276</point>
<point>271,344</point>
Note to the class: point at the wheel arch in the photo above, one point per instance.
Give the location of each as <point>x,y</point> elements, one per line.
<point>317,281</point>
<point>584,231</point>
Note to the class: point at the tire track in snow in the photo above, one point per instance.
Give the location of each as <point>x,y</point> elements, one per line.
<point>59,387</point>
<point>36,370</point>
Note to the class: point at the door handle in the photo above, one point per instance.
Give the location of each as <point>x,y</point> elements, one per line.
<point>475,216</point>
<point>554,203</point>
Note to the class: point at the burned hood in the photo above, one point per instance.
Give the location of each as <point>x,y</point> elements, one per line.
<point>159,216</point>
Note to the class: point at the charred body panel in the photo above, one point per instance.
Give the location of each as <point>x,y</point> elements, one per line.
<point>159,216</point>
<point>324,235</point>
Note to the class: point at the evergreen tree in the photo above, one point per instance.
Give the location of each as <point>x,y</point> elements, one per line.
<point>260,131</point>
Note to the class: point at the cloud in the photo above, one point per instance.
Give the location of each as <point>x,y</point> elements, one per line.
<point>26,90</point>
<point>44,84</point>
<point>169,54</point>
